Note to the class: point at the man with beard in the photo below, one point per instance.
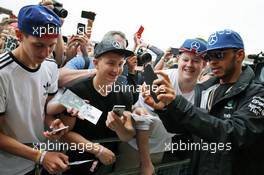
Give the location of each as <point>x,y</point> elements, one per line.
<point>228,111</point>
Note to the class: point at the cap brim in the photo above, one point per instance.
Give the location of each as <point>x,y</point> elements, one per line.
<point>225,47</point>
<point>181,50</point>
<point>124,52</point>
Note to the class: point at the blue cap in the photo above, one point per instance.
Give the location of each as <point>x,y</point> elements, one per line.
<point>39,21</point>
<point>196,46</point>
<point>225,39</point>
<point>111,45</point>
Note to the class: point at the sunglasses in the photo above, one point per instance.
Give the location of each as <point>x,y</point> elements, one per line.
<point>218,55</point>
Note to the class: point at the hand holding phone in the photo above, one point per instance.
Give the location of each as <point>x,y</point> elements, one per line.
<point>140,31</point>
<point>119,109</point>
<point>80,29</point>
<point>149,77</point>
<point>88,15</point>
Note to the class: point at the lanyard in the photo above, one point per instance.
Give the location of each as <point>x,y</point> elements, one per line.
<point>211,97</point>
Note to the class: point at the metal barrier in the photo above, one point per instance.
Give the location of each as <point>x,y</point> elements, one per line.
<point>171,168</point>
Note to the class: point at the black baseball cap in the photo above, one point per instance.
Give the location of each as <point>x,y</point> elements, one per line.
<point>111,45</point>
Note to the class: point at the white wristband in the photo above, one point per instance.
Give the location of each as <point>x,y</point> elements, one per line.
<point>42,157</point>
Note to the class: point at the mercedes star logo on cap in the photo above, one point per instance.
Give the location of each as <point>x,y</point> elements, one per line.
<point>116,44</point>
<point>195,45</point>
<point>212,39</point>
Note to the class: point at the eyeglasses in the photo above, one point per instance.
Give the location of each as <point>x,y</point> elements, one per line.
<point>218,55</point>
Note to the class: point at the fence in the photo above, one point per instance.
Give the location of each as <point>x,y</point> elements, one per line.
<point>170,168</point>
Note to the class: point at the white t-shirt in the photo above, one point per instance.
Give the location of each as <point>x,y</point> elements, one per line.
<point>158,133</point>
<point>23,94</point>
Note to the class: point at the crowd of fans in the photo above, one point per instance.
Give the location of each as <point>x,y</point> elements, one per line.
<point>204,95</point>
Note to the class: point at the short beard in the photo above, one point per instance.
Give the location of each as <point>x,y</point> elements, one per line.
<point>230,70</point>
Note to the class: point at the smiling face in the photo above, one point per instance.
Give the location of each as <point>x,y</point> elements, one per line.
<point>189,67</point>
<point>109,66</point>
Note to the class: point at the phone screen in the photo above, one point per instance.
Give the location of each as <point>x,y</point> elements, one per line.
<point>80,29</point>
<point>65,39</point>
<point>140,31</point>
<point>119,110</point>
<point>175,51</point>
<point>149,77</point>
<point>54,131</point>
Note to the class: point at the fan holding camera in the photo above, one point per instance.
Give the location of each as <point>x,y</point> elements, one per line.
<point>62,13</point>
<point>141,58</point>
<point>56,7</point>
<point>169,59</point>
<point>141,49</point>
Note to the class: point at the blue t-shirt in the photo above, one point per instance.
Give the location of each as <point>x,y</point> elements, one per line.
<point>78,63</point>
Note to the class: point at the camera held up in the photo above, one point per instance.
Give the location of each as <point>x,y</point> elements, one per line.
<point>258,66</point>
<point>143,57</point>
<point>59,10</point>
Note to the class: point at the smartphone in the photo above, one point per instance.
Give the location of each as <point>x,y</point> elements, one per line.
<point>149,77</point>
<point>65,39</point>
<point>54,131</point>
<point>88,15</point>
<point>175,51</point>
<point>80,29</point>
<point>79,162</point>
<point>140,31</point>
<point>119,109</point>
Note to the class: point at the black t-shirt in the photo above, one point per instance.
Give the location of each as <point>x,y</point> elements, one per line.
<point>84,89</point>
